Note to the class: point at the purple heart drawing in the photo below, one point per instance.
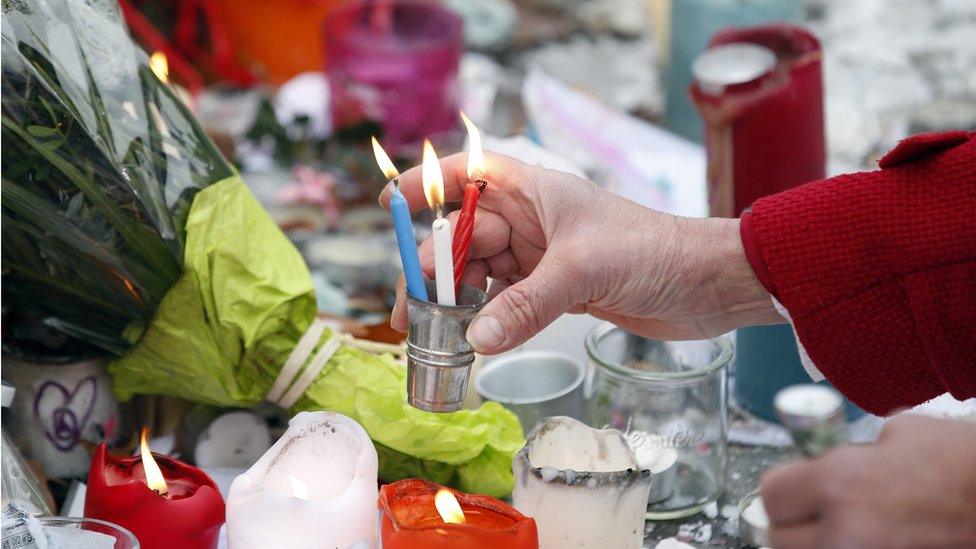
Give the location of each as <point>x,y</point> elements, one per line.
<point>63,414</point>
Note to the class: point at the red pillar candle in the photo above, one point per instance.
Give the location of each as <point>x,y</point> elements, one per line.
<point>187,513</point>
<point>410,520</point>
<point>469,204</point>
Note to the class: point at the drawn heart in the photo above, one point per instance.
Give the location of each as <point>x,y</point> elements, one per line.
<point>63,414</point>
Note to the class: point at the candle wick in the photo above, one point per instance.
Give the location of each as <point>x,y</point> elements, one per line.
<point>481,183</point>
<point>163,493</point>
<point>440,211</point>
<point>396,182</point>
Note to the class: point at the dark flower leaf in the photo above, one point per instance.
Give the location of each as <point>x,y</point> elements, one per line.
<point>74,205</point>
<point>41,131</point>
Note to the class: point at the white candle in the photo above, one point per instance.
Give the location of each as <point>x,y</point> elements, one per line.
<point>652,451</point>
<point>443,261</point>
<point>755,514</point>
<point>443,236</point>
<point>234,440</point>
<point>315,488</point>
<point>583,486</point>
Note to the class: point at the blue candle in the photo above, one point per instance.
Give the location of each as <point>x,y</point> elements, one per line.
<point>403,225</point>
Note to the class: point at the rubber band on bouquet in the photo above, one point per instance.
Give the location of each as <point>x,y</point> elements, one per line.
<point>286,397</point>
<point>280,392</point>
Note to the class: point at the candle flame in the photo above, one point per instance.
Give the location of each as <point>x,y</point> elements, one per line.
<point>448,507</point>
<point>432,177</point>
<point>298,487</point>
<point>476,153</point>
<point>154,477</point>
<point>386,165</point>
<point>160,66</point>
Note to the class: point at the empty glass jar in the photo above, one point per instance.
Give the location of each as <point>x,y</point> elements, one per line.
<point>671,400</point>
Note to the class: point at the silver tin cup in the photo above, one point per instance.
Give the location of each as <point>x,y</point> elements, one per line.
<point>534,385</point>
<point>814,416</point>
<point>439,356</point>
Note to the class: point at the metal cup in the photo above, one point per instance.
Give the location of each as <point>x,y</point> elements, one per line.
<point>814,416</point>
<point>439,356</point>
<point>534,384</point>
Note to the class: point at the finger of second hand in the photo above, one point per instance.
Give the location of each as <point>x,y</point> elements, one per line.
<point>807,535</point>
<point>791,492</point>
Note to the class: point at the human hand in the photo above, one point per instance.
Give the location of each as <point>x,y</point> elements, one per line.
<point>915,487</point>
<point>554,243</point>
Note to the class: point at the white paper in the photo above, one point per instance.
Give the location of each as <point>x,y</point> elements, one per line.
<point>629,156</point>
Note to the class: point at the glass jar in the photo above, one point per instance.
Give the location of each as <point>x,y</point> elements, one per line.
<point>71,532</point>
<point>671,400</point>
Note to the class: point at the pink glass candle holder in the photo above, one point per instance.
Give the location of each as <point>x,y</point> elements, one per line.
<point>394,62</point>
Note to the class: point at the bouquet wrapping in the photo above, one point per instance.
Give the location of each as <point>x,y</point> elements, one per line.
<point>124,227</point>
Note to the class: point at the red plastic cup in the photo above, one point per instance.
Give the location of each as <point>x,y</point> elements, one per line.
<point>394,62</point>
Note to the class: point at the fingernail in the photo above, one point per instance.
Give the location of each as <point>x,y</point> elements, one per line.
<point>384,194</point>
<point>486,333</point>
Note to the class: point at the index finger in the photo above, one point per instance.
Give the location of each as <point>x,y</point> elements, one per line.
<point>791,492</point>
<point>499,169</point>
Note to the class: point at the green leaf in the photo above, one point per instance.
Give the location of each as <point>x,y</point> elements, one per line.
<point>42,172</point>
<point>50,111</point>
<point>75,204</point>
<point>139,237</point>
<point>51,144</point>
<point>41,131</point>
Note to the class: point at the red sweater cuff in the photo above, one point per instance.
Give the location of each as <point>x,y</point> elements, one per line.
<point>751,246</point>
<point>878,270</point>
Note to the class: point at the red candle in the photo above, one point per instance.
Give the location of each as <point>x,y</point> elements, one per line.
<point>411,520</point>
<point>464,228</point>
<point>186,512</point>
<point>472,191</point>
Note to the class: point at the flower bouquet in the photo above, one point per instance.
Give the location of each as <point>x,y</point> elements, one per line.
<point>124,227</point>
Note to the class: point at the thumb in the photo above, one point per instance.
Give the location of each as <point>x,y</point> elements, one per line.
<point>520,311</point>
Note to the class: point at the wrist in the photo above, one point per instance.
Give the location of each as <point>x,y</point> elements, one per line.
<point>735,293</point>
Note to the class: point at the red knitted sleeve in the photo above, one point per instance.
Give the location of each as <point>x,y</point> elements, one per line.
<point>878,272</point>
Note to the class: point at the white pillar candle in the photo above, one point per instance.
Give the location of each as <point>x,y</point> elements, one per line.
<point>443,261</point>
<point>315,488</point>
<point>583,486</point>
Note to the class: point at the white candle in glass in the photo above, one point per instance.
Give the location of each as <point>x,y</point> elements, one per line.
<point>315,488</point>
<point>583,486</point>
<point>442,234</point>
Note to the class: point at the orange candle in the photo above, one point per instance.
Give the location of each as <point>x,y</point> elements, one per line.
<point>412,519</point>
